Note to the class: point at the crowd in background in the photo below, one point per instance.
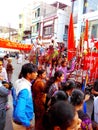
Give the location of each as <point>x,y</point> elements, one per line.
<point>45,93</point>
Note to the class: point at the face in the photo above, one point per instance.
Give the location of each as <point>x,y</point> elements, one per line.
<point>43,76</point>
<point>61,78</point>
<point>33,75</point>
<point>65,63</point>
<point>76,123</point>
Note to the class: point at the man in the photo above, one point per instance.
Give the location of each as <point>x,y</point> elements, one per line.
<point>23,112</point>
<point>3,99</point>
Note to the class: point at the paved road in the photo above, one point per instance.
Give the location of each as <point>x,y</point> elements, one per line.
<point>17,68</point>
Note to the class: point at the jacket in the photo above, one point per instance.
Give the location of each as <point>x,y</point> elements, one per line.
<point>23,111</point>
<point>3,97</point>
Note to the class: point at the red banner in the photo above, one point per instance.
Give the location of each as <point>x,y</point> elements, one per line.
<point>14,45</point>
<point>91,63</point>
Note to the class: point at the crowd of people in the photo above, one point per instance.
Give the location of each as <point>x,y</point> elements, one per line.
<point>44,94</point>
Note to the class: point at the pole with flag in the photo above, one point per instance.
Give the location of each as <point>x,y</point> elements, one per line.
<point>86,46</point>
<point>71,41</point>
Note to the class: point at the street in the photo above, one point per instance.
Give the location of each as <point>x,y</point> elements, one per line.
<point>17,68</point>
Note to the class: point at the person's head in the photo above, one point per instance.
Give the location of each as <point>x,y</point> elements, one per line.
<point>68,86</point>
<point>77,97</point>
<point>58,96</point>
<point>9,60</point>
<point>42,73</point>
<point>63,63</point>
<point>61,116</point>
<point>58,75</point>
<point>28,71</point>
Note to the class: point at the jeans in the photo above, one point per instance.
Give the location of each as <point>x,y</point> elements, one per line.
<point>2,119</point>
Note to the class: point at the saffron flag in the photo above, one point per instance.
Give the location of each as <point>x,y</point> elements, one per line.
<point>86,35</point>
<point>71,42</point>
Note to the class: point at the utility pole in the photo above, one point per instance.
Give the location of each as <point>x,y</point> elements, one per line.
<point>72,6</point>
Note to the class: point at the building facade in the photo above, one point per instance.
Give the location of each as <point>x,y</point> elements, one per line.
<point>50,22</point>
<point>86,10</point>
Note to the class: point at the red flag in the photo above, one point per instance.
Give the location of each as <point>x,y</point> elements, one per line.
<point>96,45</point>
<point>86,33</point>
<point>71,42</point>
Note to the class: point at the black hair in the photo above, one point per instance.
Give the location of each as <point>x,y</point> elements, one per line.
<point>52,79</point>
<point>27,68</point>
<point>57,74</point>
<point>60,114</point>
<point>77,97</point>
<point>63,61</point>
<point>40,72</point>
<point>68,85</point>
<point>57,96</point>
<point>96,85</point>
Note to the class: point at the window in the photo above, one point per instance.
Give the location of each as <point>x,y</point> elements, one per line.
<point>90,6</point>
<point>94,30</point>
<point>37,27</point>
<point>20,25</point>
<point>66,29</point>
<point>20,16</point>
<point>38,12</point>
<point>48,30</point>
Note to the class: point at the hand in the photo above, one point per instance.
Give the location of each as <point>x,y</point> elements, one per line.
<point>1,78</point>
<point>30,127</point>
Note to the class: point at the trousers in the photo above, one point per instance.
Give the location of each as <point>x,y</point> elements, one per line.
<point>19,127</point>
<point>2,119</point>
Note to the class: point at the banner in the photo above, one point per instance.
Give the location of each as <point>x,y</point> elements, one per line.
<point>90,63</point>
<point>14,45</point>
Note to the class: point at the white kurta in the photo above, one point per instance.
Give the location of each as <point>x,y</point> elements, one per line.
<point>96,109</point>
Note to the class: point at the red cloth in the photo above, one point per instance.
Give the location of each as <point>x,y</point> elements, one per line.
<point>86,33</point>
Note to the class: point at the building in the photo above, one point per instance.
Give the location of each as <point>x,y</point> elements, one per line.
<point>8,33</point>
<point>25,22</point>
<point>86,10</point>
<point>50,22</point>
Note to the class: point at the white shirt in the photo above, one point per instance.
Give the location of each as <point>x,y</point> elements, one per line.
<point>96,109</point>
<point>21,84</point>
<point>4,74</point>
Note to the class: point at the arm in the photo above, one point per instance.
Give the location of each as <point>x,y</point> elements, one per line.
<point>94,92</point>
<point>3,91</point>
<point>72,67</point>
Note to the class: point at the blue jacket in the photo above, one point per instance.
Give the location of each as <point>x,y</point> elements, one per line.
<point>22,106</point>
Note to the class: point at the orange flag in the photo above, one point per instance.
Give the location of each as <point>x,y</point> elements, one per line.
<point>71,42</point>
<point>86,34</point>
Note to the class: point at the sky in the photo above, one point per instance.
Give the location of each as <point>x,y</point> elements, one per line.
<point>9,10</point>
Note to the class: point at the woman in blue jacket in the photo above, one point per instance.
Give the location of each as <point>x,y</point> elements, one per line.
<point>23,112</point>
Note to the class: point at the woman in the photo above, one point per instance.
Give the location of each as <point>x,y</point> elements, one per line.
<point>68,87</point>
<point>61,116</point>
<point>56,82</point>
<point>39,97</point>
<point>57,96</point>
<point>77,99</point>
